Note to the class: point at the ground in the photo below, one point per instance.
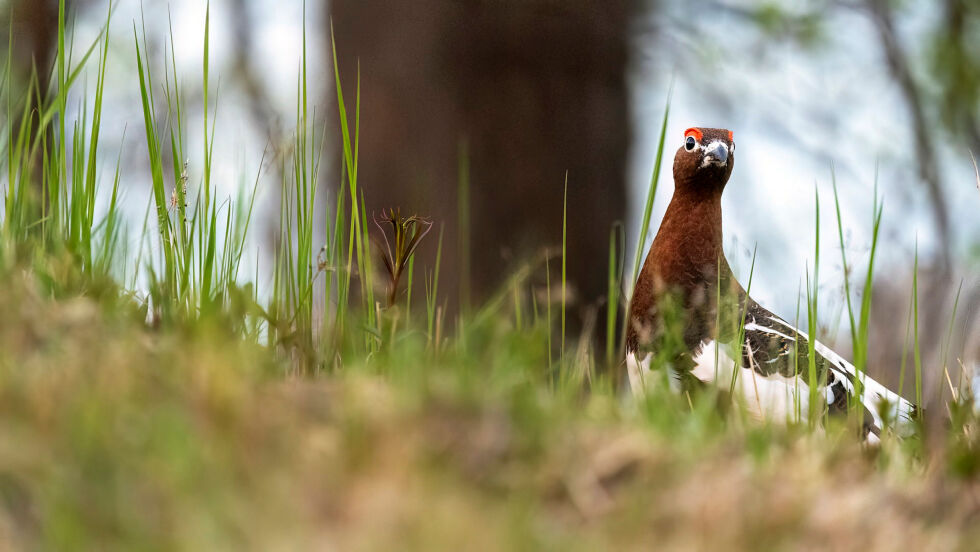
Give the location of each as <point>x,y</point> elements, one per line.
<point>118,435</point>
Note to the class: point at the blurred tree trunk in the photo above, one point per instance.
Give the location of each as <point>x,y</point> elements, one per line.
<point>533,87</point>
<point>34,24</point>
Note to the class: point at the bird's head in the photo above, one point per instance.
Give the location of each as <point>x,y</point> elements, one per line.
<point>705,159</point>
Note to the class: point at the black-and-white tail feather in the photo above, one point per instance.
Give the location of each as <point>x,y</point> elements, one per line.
<point>771,376</point>
<point>886,408</point>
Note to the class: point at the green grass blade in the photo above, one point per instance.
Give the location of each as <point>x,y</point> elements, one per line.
<point>652,190</point>
<point>564,264</point>
<point>463,215</point>
<point>617,259</point>
<point>812,297</point>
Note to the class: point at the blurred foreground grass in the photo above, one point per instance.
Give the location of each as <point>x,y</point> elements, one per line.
<point>117,436</point>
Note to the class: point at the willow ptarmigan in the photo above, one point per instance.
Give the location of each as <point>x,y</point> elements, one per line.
<point>688,312</point>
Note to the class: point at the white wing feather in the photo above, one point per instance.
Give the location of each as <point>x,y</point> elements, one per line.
<point>876,397</point>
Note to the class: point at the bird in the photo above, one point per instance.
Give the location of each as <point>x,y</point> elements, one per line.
<point>689,313</point>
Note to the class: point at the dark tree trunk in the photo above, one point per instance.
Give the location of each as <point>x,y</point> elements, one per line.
<point>534,87</point>
<point>35,27</point>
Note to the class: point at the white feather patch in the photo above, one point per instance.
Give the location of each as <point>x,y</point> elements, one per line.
<point>875,396</point>
<point>641,377</point>
<point>774,397</point>
<point>639,372</point>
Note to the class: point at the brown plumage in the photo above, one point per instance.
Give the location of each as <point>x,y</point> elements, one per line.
<point>687,252</point>
<point>689,311</point>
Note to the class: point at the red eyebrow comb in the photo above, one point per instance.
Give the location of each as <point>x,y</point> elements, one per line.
<point>731,136</point>
<point>695,133</point>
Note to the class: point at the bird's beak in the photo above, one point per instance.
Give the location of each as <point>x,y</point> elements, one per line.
<point>716,154</point>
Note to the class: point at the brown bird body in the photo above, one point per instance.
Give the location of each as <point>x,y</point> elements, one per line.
<point>687,253</point>
<point>688,313</point>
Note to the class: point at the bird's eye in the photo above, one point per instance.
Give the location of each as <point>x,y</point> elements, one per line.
<point>690,143</point>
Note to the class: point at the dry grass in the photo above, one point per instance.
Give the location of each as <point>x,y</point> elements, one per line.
<point>116,436</point>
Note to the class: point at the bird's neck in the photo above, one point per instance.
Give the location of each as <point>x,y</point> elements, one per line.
<point>688,249</point>
<point>686,262</point>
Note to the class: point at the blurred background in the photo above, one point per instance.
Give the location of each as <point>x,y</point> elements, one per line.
<point>474,112</point>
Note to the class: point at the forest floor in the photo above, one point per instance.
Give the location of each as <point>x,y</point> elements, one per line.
<point>116,435</point>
